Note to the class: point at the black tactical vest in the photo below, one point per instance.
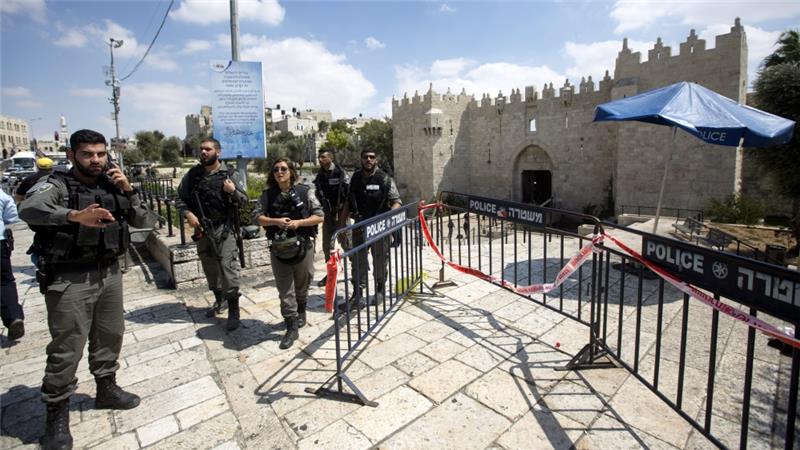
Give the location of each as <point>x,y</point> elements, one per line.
<point>209,189</point>
<point>331,188</point>
<point>294,206</point>
<point>371,194</point>
<point>76,243</point>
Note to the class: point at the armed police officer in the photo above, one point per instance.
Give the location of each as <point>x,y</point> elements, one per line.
<point>332,189</point>
<point>80,219</point>
<point>290,216</point>
<point>372,192</point>
<point>209,198</point>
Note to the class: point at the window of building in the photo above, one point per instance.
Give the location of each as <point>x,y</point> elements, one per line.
<point>532,126</point>
<point>16,127</point>
<point>2,126</point>
<point>566,121</point>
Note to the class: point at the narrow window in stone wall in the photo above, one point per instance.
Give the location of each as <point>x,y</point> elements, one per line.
<point>532,126</point>
<point>566,121</point>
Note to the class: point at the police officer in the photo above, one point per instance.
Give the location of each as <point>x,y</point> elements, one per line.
<point>45,166</point>
<point>372,192</point>
<point>80,219</point>
<point>10,310</point>
<point>332,188</point>
<point>209,196</point>
<point>290,216</point>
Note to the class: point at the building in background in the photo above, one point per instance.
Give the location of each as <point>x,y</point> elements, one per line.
<point>13,135</point>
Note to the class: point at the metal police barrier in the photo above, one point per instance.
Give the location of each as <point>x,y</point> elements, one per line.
<point>705,348</point>
<point>393,240</point>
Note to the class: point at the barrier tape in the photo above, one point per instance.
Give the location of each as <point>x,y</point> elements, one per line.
<point>571,266</point>
<point>583,255</point>
<point>330,285</point>
<point>718,305</point>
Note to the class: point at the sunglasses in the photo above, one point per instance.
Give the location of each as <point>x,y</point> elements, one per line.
<point>280,169</point>
<point>368,157</point>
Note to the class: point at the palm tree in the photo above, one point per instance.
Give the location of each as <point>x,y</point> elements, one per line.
<point>788,49</point>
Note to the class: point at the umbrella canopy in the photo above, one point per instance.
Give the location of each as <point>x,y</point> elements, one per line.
<point>701,112</point>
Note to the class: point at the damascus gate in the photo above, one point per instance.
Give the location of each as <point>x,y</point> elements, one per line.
<point>542,147</point>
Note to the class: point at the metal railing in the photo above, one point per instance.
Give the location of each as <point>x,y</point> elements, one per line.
<point>688,354</point>
<point>393,240</point>
<point>679,213</point>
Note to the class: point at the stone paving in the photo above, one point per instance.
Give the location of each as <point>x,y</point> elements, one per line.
<point>470,367</point>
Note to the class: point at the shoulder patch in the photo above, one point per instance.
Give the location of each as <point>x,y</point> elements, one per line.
<point>39,188</point>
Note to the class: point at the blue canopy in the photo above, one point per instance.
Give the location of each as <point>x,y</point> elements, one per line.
<point>699,111</point>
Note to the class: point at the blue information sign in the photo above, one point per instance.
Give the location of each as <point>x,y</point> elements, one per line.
<point>237,103</point>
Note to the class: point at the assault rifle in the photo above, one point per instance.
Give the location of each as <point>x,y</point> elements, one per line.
<point>237,233</point>
<point>210,232</point>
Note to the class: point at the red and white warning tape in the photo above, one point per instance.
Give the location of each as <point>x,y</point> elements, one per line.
<point>581,257</point>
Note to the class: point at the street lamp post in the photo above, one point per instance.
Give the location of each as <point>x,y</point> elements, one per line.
<point>112,44</point>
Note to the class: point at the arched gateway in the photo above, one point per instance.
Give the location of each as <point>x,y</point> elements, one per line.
<point>533,176</point>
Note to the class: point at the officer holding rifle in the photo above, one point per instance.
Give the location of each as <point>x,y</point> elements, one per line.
<point>209,198</point>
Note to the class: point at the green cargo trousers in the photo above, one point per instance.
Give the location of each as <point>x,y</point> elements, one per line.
<point>292,281</point>
<point>82,302</point>
<point>222,277</point>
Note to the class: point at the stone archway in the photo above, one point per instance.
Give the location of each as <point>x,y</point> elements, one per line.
<point>533,172</point>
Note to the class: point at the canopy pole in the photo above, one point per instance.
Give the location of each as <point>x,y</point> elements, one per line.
<point>664,179</point>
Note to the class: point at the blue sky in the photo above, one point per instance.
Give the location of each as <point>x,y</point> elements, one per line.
<point>346,57</point>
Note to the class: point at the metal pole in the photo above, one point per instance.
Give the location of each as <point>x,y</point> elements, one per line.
<point>114,43</point>
<point>241,163</point>
<point>664,179</point>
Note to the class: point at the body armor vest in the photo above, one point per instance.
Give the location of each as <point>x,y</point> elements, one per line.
<point>371,194</point>
<point>294,206</point>
<point>209,188</point>
<point>76,243</point>
<point>331,189</point>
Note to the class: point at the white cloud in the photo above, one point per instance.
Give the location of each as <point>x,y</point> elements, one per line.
<point>206,12</point>
<point>160,61</point>
<point>445,8</point>
<point>70,37</point>
<point>373,44</point>
<point>35,9</point>
<point>16,91</point>
<point>450,67</point>
<point>130,45</point>
<point>597,57</point>
<point>490,78</point>
<point>760,43</point>
<point>29,104</point>
<point>643,14</point>
<point>90,92</point>
<point>196,45</point>
<point>304,74</point>
<point>161,106</point>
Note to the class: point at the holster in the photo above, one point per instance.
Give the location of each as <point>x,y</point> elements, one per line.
<point>44,275</point>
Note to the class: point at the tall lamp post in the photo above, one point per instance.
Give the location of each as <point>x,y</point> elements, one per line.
<point>33,142</point>
<point>112,44</point>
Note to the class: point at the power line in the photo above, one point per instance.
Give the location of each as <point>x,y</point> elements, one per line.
<point>163,21</point>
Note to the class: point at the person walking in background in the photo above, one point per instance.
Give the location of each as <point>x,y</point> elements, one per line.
<point>372,192</point>
<point>290,216</point>
<point>332,188</point>
<point>80,219</point>
<point>209,196</point>
<point>10,310</point>
<point>45,166</point>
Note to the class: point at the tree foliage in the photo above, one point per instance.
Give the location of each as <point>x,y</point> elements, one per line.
<point>377,135</point>
<point>777,90</point>
<point>149,144</point>
<point>171,152</point>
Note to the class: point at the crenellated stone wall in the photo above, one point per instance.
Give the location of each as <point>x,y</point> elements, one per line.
<point>482,146</point>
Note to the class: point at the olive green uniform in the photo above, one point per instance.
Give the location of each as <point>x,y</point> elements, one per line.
<point>222,271</point>
<point>80,276</point>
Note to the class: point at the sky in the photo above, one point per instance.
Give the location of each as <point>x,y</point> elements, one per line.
<point>349,58</point>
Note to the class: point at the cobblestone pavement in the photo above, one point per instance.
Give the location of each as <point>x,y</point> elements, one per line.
<point>470,368</point>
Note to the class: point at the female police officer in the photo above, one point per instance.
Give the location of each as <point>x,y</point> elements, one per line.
<point>290,215</point>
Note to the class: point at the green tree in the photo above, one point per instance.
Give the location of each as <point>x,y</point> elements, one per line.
<point>149,144</point>
<point>337,139</point>
<point>377,135</point>
<point>281,138</point>
<point>777,90</point>
<point>171,152</point>
<point>341,125</point>
<point>296,149</point>
<point>323,126</point>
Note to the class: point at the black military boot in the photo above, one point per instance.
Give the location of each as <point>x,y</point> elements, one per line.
<point>219,307</point>
<point>291,333</point>
<point>56,433</point>
<point>111,396</point>
<point>301,315</point>
<point>233,313</point>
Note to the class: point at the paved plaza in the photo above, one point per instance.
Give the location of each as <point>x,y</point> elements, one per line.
<point>470,367</point>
